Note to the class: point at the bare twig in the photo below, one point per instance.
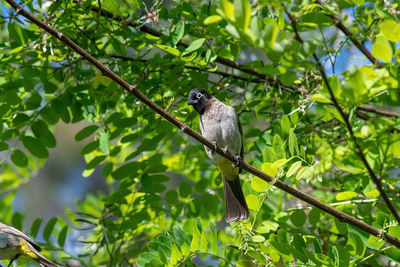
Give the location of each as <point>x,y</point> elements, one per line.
<point>377,180</point>
<point>221,73</point>
<point>262,78</point>
<point>339,24</point>
<point>132,90</point>
<point>380,111</point>
<point>266,79</point>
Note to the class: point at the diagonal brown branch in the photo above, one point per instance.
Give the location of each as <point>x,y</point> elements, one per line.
<point>261,78</point>
<point>221,73</point>
<point>132,90</point>
<point>221,60</point>
<point>339,24</point>
<point>377,180</point>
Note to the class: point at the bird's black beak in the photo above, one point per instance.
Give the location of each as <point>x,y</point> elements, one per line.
<point>192,102</point>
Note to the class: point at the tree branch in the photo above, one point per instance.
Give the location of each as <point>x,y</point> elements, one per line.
<point>339,24</point>
<point>377,180</point>
<point>221,60</point>
<point>379,111</point>
<point>262,78</point>
<point>221,73</point>
<point>183,128</point>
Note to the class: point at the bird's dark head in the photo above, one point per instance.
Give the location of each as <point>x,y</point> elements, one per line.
<point>198,98</point>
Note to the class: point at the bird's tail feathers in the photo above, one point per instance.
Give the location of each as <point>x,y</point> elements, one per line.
<point>45,262</point>
<point>235,203</point>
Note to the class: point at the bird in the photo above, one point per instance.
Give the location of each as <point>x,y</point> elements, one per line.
<point>220,124</point>
<point>14,243</point>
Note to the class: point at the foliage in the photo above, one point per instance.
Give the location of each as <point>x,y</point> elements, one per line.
<point>165,203</point>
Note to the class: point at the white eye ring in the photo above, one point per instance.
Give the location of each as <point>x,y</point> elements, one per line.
<point>199,95</point>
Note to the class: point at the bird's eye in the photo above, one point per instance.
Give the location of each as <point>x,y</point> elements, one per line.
<point>199,95</point>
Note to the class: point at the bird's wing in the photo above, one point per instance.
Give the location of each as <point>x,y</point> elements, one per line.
<point>4,228</point>
<point>241,136</point>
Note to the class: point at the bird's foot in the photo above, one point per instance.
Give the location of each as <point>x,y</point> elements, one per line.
<point>215,146</point>
<point>238,160</point>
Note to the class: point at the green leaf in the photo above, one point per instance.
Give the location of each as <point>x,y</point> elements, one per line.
<point>90,147</point>
<point>19,158</point>
<point>228,9</point>
<point>293,168</point>
<point>320,98</point>
<point>355,245</point>
<point>269,154</point>
<point>212,19</point>
<point>17,220</point>
<point>104,146</point>
<point>270,169</point>
<point>293,146</point>
<point>203,240</point>
<point>178,32</point>
<point>345,195</point>
<point>194,245</point>
<point>381,49</point>
<point>376,242</point>
<point>49,115</point>
<point>162,256</point>
<point>285,124</point>
<point>48,229</point>
<point>391,30</point>
<point>42,132</point>
<point>62,236</point>
<point>394,231</point>
<point>305,172</point>
<point>119,196</point>
<point>288,78</point>
<point>214,240</point>
<point>258,184</point>
<point>169,49</point>
<point>242,13</point>
<point>185,189</point>
<point>340,226</point>
<point>321,258</point>
<point>314,216</point>
<point>171,197</point>
<point>176,254</point>
<point>107,169</point>
<point>86,132</point>
<point>298,217</point>
<point>393,253</point>
<point>266,227</point>
<point>279,148</point>
<point>271,30</point>
<point>252,202</point>
<point>258,238</point>
<point>194,46</point>
<point>256,255</point>
<point>35,227</point>
<point>129,169</point>
<point>96,161</point>
<point>34,146</point>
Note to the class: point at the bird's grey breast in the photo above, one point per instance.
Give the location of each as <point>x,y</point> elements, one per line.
<point>220,124</point>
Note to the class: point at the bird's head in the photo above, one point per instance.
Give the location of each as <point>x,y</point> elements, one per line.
<point>198,98</point>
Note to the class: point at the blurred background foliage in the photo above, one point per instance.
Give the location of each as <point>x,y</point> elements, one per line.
<point>100,180</point>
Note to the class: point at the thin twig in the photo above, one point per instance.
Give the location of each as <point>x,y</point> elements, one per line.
<point>221,73</point>
<point>229,63</point>
<point>377,180</point>
<point>380,111</point>
<point>132,90</point>
<point>339,24</point>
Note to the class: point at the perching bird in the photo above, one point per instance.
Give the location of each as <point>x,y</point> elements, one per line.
<point>220,124</point>
<point>14,243</point>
